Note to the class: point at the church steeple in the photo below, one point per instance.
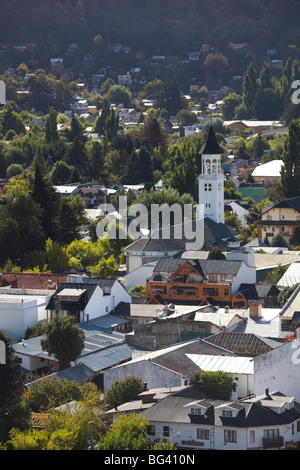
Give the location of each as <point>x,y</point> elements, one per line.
<point>211,146</point>
<point>211,181</point>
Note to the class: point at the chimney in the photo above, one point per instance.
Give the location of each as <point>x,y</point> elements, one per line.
<point>234,396</point>
<point>145,386</point>
<point>254,308</point>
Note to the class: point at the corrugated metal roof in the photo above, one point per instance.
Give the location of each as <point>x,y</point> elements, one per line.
<point>232,365</point>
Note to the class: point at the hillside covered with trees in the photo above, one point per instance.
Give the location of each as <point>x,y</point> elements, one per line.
<point>171,26</point>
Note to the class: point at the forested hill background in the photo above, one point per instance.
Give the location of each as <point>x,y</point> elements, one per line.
<point>157,26</point>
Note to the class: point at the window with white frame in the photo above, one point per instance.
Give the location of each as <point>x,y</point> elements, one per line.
<point>252,437</point>
<point>196,411</point>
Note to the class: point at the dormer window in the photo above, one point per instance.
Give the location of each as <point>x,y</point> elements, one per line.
<point>196,411</point>
<point>227,413</point>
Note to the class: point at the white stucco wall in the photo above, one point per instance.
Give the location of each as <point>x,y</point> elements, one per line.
<point>155,376</point>
<point>16,316</point>
<point>279,369</point>
<point>188,433</point>
<point>245,275</point>
<point>138,276</point>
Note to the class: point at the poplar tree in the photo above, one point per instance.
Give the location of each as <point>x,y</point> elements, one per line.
<point>290,171</point>
<point>250,89</point>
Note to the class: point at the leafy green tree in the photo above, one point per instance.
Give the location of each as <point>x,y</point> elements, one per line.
<point>20,222</point>
<point>285,294</point>
<point>10,119</point>
<point>216,254</point>
<point>100,121</point>
<point>215,385</point>
<point>122,391</point>
<point>290,172</point>
<point>64,340</point>
<point>140,166</point>
<point>129,433</point>
<point>173,101</point>
<point>185,117</point>
<point>11,382</point>
<point>76,130</point>
<point>51,126</point>
<point>50,392</point>
<point>118,94</point>
<point>138,289</point>
<point>76,155</point>
<point>279,240</point>
<point>230,103</point>
<point>295,240</point>
<point>105,268</point>
<point>56,256</point>
<point>153,131</point>
<point>69,430</point>
<point>14,169</point>
<point>61,173</point>
<point>45,195</point>
<point>111,125</point>
<point>68,224</point>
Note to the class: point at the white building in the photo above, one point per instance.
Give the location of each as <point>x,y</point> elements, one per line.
<point>19,311</point>
<point>170,366</point>
<point>279,369</point>
<point>269,421</point>
<point>211,180</point>
<point>86,299</point>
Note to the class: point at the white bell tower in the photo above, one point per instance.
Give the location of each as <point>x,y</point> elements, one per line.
<point>211,180</point>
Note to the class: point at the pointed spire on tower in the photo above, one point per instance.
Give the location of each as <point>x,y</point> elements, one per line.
<point>211,146</point>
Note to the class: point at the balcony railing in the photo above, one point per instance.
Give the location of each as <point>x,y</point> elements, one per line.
<point>273,442</point>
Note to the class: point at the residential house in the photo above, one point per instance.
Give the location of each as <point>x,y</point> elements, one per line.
<point>94,196</point>
<point>86,299</point>
<point>177,323</point>
<point>22,310</point>
<point>199,281</point>
<point>148,398</point>
<point>186,131</point>
<point>67,189</point>
<point>79,105</point>
<point>31,281</point>
<point>290,314</point>
<point>281,218</point>
<point>269,172</point>
<point>166,367</point>
<point>257,126</point>
<point>103,349</point>
<point>57,65</point>
<point>157,245</point>
<point>263,293</point>
<point>125,80</point>
<point>279,367</point>
<point>268,421</point>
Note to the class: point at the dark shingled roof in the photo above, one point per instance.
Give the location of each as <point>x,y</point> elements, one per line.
<point>250,413</point>
<point>215,234</point>
<point>211,146</point>
<point>292,203</point>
